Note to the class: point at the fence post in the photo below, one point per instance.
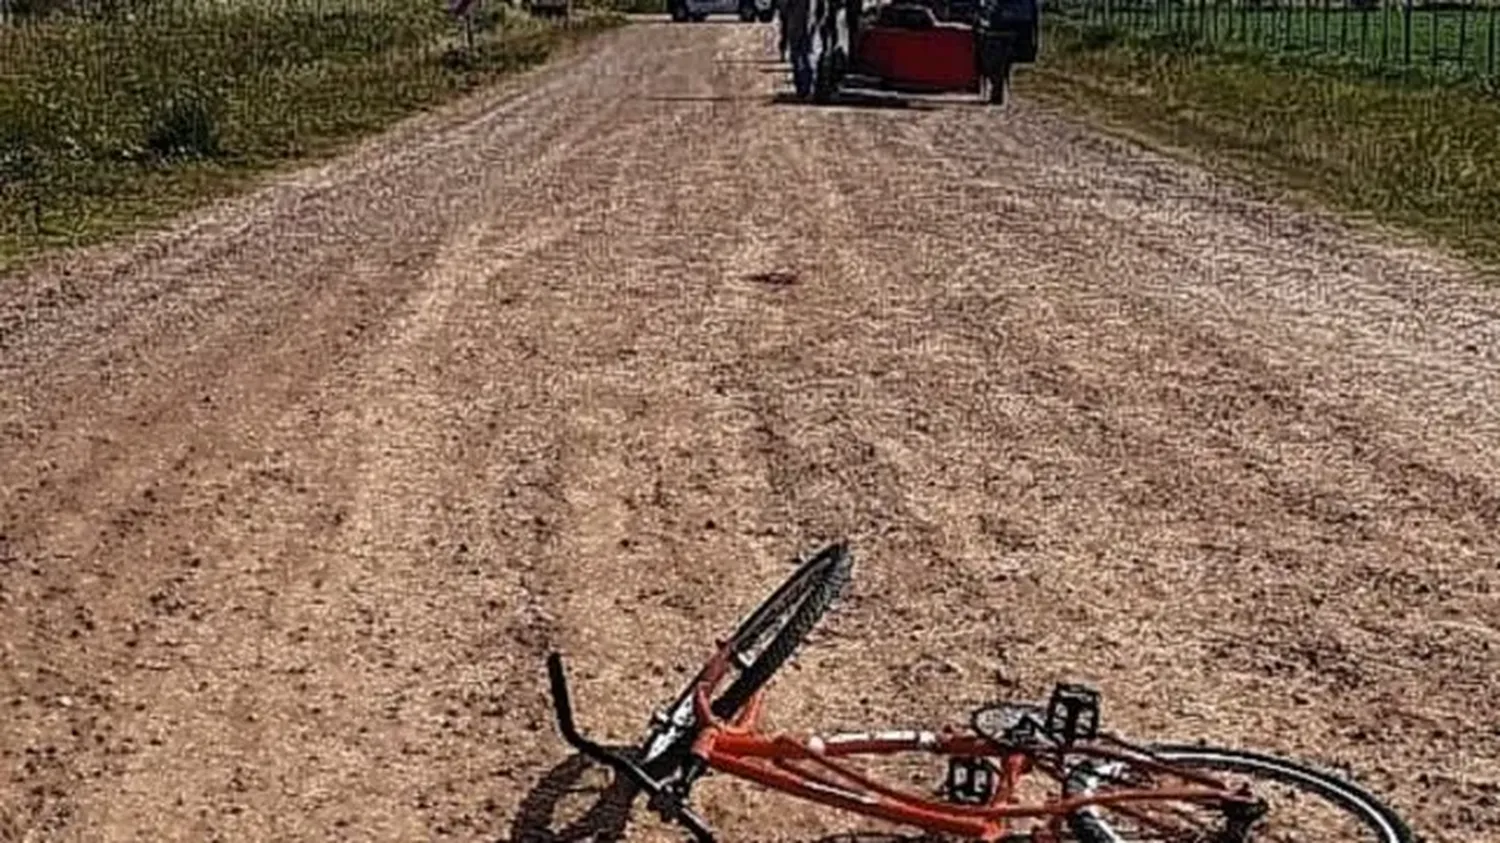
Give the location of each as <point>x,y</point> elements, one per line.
<point>1385,33</point>
<point>1434,17</point>
<point>1489,59</point>
<point>1463,34</point>
<point>1406,33</point>
<point>1364,29</point>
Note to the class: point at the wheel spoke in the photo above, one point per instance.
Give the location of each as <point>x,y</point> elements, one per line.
<point>1303,805</point>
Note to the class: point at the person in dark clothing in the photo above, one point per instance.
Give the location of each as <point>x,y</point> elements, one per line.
<point>797,38</point>
<point>1017,19</point>
<point>852,11</point>
<point>781,28</point>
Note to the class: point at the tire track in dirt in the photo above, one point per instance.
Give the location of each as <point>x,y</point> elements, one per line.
<point>786,373</point>
<point>630,467</point>
<point>191,600</point>
<point>678,554</point>
<point>1200,408</point>
<point>882,351</point>
<point>301,592</point>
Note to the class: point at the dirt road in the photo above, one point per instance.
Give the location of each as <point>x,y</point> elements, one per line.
<point>296,498</point>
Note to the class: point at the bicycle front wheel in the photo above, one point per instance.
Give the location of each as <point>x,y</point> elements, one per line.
<point>759,646</point>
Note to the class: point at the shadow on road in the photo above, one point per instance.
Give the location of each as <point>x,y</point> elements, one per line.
<point>857,99</point>
<point>704,98</point>
<point>843,99</point>
<point>605,820</point>
<point>537,821</point>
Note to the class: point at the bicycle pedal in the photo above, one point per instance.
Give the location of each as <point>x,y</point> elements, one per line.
<point>971,781</point>
<point>1073,713</point>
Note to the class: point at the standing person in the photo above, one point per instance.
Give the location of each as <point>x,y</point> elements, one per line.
<point>1009,38</point>
<point>780,24</point>
<point>797,36</point>
<point>853,9</point>
<point>1019,20</point>
<point>781,28</point>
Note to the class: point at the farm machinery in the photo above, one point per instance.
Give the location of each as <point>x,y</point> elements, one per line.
<point>909,46</point>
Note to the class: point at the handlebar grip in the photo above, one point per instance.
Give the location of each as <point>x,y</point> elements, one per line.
<point>562,703</point>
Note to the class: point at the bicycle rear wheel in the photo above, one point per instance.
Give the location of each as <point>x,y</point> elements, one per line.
<point>1302,804</point>
<point>759,646</point>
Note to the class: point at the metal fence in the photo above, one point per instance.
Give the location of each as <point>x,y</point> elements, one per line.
<point>1457,37</point>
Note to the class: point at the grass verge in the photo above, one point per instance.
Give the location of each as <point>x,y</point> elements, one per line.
<point>1395,151</point>
<point>112,123</point>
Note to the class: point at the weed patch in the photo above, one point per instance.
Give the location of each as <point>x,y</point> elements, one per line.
<point>113,120</point>
<point>1421,156</point>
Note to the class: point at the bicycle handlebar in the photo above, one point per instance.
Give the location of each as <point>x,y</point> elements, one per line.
<point>563,706</point>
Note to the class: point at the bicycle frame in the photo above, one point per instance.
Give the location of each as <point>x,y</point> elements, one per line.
<point>779,761</point>
<point>809,767</point>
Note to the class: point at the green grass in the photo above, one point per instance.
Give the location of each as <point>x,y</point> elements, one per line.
<point>1401,152</point>
<point>1448,43</point>
<point>109,124</point>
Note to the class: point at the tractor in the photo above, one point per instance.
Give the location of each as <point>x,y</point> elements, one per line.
<point>914,46</point>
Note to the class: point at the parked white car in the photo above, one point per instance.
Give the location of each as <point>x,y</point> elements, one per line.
<point>699,10</point>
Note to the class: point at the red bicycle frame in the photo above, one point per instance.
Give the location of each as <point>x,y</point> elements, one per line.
<point>810,768</point>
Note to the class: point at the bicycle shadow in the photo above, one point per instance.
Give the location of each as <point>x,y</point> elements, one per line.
<point>536,819</point>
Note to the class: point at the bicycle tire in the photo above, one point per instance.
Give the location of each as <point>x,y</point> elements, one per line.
<point>799,603</point>
<point>1360,803</point>
<point>832,578</point>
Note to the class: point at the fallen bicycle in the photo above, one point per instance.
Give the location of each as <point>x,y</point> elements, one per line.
<point>1102,788</point>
